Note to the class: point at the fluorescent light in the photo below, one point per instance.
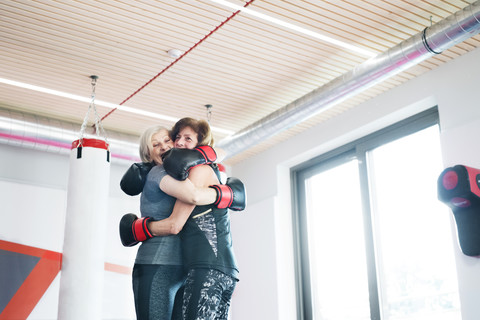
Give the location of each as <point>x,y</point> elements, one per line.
<point>44,90</point>
<point>296,28</point>
<point>100,103</point>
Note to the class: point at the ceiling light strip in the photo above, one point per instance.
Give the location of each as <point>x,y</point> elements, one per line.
<point>296,28</point>
<point>100,103</point>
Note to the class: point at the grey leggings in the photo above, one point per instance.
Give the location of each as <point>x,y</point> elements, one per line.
<point>155,288</point>
<point>207,294</point>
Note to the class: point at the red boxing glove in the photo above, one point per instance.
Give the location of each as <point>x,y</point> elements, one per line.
<point>231,195</point>
<point>178,162</point>
<point>134,230</point>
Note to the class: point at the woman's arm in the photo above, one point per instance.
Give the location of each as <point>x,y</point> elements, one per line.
<point>200,176</point>
<point>183,189</point>
<point>186,191</point>
<point>174,223</point>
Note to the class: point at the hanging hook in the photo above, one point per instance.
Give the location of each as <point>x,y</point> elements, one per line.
<point>97,126</point>
<point>209,112</point>
<point>94,83</point>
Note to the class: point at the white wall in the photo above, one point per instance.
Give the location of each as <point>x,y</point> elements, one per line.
<point>33,197</point>
<point>33,186</point>
<point>454,87</point>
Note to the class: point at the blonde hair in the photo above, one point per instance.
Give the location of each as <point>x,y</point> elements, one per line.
<point>146,142</point>
<point>200,127</point>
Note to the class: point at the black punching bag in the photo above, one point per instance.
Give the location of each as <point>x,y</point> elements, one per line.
<point>459,188</point>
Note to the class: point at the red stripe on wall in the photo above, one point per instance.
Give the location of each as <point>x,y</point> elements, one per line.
<point>36,283</point>
<point>23,249</point>
<point>117,268</point>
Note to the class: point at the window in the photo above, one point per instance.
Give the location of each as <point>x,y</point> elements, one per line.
<point>374,242</point>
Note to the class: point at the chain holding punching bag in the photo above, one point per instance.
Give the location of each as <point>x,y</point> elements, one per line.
<point>82,272</point>
<point>459,188</point>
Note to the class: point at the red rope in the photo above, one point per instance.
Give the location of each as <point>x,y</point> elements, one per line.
<point>178,59</point>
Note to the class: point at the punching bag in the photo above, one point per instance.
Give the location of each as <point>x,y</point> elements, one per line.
<point>459,188</point>
<point>82,273</point>
<point>83,258</point>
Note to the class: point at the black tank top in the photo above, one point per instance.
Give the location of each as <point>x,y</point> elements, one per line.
<point>207,240</point>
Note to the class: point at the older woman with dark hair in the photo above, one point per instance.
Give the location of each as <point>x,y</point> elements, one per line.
<point>205,239</point>
<point>205,236</point>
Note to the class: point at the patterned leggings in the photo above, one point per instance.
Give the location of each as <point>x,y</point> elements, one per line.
<point>207,295</point>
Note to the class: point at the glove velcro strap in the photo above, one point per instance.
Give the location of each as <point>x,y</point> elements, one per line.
<point>224,196</point>
<point>140,229</point>
<point>208,153</point>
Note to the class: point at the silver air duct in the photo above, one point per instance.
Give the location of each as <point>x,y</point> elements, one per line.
<point>433,40</point>
<point>38,132</point>
<point>44,134</point>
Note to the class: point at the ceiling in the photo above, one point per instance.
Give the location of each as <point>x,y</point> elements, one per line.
<point>242,65</point>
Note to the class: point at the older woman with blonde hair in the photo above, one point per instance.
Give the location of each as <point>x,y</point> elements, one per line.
<point>158,270</point>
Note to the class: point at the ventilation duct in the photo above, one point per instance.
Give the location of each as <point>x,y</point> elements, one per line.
<point>433,40</point>
<point>44,134</point>
<point>37,132</point>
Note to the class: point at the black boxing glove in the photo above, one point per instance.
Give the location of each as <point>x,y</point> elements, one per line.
<point>231,195</point>
<point>178,162</point>
<point>134,179</point>
<point>133,229</point>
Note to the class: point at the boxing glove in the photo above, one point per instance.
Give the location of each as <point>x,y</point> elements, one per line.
<point>133,229</point>
<point>134,179</point>
<point>178,162</point>
<point>231,195</point>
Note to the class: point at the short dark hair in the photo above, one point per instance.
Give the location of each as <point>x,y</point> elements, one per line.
<point>200,127</point>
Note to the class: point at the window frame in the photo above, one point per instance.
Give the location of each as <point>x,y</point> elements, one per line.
<point>357,149</point>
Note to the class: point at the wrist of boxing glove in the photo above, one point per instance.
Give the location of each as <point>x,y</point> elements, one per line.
<point>133,230</point>
<point>140,229</point>
<point>224,196</point>
<point>208,153</point>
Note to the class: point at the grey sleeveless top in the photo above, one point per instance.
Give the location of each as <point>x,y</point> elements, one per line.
<point>157,204</point>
